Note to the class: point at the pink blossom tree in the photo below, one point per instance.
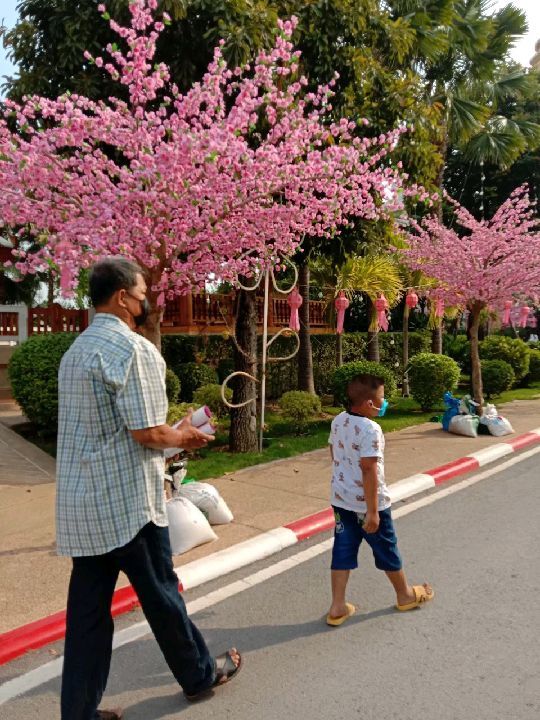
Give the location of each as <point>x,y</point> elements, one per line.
<point>485,265</point>
<point>222,180</point>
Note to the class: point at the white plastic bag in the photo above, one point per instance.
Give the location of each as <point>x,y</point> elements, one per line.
<point>499,425</point>
<point>207,498</point>
<point>464,425</point>
<point>187,525</point>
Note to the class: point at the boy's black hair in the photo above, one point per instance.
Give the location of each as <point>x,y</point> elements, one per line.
<point>363,387</point>
<point>109,275</point>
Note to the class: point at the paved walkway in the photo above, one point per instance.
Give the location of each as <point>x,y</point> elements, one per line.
<point>34,579</point>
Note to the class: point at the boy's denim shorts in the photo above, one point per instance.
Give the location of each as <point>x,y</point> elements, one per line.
<point>348,534</point>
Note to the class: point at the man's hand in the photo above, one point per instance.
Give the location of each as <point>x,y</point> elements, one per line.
<point>191,438</point>
<point>371,522</point>
<point>183,435</point>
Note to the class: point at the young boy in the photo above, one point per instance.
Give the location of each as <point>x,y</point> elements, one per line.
<point>361,501</point>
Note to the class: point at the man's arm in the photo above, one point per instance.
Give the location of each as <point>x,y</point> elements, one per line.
<point>184,436</point>
<point>368,465</point>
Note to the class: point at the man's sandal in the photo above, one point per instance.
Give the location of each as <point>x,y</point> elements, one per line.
<point>116,714</point>
<point>226,670</point>
<point>422,595</point>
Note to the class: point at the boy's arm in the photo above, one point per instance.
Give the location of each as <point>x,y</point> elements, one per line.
<point>368,466</point>
<point>331,448</point>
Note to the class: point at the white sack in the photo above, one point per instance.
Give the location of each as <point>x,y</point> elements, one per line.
<point>464,425</point>
<point>187,525</point>
<point>207,498</point>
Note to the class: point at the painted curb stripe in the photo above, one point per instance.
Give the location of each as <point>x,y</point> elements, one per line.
<point>450,470</point>
<point>49,629</point>
<point>313,524</point>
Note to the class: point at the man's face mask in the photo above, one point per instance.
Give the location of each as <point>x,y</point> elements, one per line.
<point>142,317</point>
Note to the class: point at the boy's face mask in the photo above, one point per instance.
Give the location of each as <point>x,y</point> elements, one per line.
<point>382,410</point>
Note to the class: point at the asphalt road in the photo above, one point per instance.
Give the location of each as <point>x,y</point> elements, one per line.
<point>471,654</point>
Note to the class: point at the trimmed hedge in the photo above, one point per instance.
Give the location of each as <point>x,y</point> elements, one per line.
<point>211,395</point>
<point>512,350</point>
<point>430,377</point>
<point>299,406</point>
<point>343,375</point>
<point>534,366</point>
<point>497,376</point>
<point>33,373</point>
<point>192,376</point>
<point>172,385</point>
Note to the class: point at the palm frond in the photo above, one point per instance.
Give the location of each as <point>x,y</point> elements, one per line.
<point>372,275</point>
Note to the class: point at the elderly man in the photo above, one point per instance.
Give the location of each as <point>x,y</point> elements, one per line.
<point>110,502</point>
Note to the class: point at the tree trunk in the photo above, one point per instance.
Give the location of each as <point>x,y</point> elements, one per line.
<point>243,430</point>
<point>305,357</point>
<point>373,352</point>
<point>405,354</point>
<point>152,327</point>
<point>436,339</point>
<point>339,350</point>
<point>476,371</point>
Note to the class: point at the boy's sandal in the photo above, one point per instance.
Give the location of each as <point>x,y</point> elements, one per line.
<point>226,670</point>
<point>422,595</point>
<point>335,621</point>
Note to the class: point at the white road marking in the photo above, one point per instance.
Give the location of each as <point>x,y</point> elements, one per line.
<point>49,671</point>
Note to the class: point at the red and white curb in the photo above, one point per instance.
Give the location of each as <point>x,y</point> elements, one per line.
<point>49,629</point>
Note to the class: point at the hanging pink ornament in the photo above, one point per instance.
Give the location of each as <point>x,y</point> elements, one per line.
<point>524,315</point>
<point>295,300</point>
<point>411,299</point>
<point>439,308</point>
<point>506,315</point>
<point>381,306</point>
<point>341,304</point>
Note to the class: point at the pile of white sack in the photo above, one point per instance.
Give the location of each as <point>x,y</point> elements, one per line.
<point>192,509</point>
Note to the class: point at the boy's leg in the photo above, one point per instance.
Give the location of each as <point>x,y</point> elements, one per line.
<point>347,539</point>
<point>89,633</point>
<point>339,580</point>
<point>387,557</point>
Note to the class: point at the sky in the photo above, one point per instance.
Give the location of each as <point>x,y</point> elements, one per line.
<point>523,51</point>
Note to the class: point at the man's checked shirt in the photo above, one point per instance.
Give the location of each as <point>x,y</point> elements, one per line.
<point>111,381</point>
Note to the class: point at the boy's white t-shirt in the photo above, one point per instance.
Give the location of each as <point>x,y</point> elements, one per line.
<point>352,438</point>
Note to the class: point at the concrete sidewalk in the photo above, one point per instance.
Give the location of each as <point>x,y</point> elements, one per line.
<point>34,579</point>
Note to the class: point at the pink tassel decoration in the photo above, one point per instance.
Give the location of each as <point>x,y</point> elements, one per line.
<point>411,299</point>
<point>295,300</point>
<point>381,306</point>
<point>524,315</point>
<point>341,303</point>
<point>506,315</point>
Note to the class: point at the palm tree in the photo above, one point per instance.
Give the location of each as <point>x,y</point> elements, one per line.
<point>372,275</point>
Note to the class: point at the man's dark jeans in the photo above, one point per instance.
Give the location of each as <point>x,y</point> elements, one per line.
<point>147,562</point>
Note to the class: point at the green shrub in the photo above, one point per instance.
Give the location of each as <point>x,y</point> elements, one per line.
<point>177,411</point>
<point>33,373</point>
<point>430,377</point>
<point>299,406</point>
<point>172,385</point>
<point>192,376</point>
<point>211,395</point>
<point>497,376</point>
<point>512,350</point>
<point>459,349</point>
<point>344,374</point>
<point>534,367</point>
